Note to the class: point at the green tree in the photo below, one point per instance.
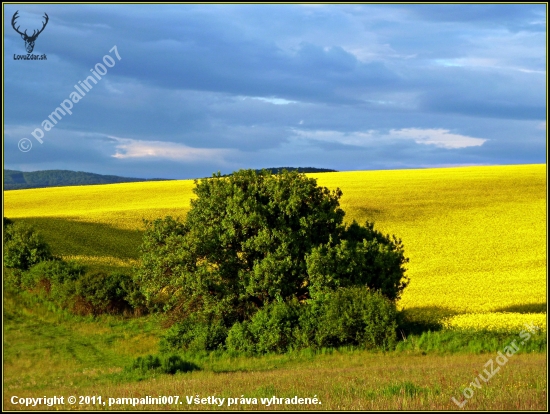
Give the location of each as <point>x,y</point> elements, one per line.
<point>251,239</point>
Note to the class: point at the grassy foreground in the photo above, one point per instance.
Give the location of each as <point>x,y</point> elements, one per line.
<point>51,353</point>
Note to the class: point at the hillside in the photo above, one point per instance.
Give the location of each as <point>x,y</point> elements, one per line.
<point>476,236</point>
<point>17,180</point>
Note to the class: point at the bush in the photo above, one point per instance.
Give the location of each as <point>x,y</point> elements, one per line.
<point>353,316</point>
<point>163,364</point>
<point>55,279</point>
<point>12,279</point>
<point>263,263</point>
<point>240,339</point>
<point>271,329</point>
<point>135,299</point>
<point>52,272</point>
<point>69,286</point>
<point>194,334</point>
<point>101,292</point>
<point>23,246</point>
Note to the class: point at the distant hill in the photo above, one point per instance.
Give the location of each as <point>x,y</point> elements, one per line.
<point>15,180</point>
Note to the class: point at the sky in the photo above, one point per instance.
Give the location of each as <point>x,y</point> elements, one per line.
<point>183,91</point>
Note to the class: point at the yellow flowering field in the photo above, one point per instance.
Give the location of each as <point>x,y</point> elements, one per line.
<point>475,236</point>
<point>497,321</point>
<point>118,205</point>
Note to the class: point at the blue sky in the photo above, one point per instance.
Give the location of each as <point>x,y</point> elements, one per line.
<point>206,88</point>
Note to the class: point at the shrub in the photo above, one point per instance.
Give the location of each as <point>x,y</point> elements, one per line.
<point>54,272</point>
<point>253,247</point>
<point>12,279</point>
<point>271,329</point>
<point>353,316</point>
<point>101,292</point>
<point>23,246</point>
<point>194,334</point>
<point>163,364</point>
<point>54,278</point>
<point>135,299</point>
<point>69,286</point>
<point>240,339</point>
<point>311,314</point>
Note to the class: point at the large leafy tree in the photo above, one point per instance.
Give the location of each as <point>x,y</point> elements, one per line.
<point>254,238</point>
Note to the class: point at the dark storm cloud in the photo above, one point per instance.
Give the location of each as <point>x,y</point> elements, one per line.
<point>208,87</point>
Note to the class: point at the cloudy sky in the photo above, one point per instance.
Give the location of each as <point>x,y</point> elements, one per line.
<point>202,88</point>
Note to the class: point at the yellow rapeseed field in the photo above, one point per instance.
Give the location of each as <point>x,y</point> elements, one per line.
<point>497,321</point>
<point>475,236</point>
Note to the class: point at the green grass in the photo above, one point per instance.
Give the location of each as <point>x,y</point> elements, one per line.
<point>51,352</point>
<point>408,389</point>
<point>45,346</point>
<point>469,342</point>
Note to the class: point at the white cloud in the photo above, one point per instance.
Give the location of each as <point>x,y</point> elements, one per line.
<point>131,148</point>
<point>111,88</point>
<point>484,63</point>
<point>354,138</point>
<point>441,138</point>
<point>275,101</point>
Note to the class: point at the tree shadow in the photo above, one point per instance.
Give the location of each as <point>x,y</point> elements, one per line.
<point>526,308</point>
<point>416,320</point>
<point>371,214</point>
<point>69,237</point>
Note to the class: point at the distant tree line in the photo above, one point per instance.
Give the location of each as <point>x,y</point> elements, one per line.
<point>278,170</point>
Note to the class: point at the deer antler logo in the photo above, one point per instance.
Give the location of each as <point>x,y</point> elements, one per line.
<point>29,40</point>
